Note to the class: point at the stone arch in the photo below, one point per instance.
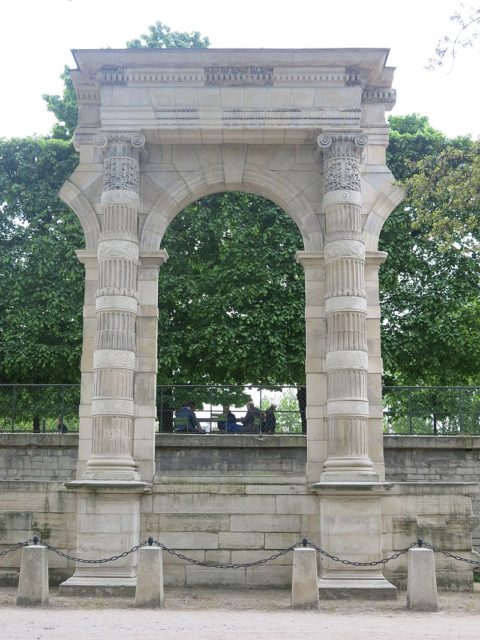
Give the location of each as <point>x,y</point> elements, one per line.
<point>77,201</point>
<point>378,214</point>
<point>181,193</point>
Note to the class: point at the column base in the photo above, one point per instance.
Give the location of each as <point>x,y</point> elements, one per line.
<point>368,588</point>
<point>351,529</point>
<point>108,524</point>
<point>348,469</point>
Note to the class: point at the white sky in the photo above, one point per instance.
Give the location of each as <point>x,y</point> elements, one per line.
<point>36,37</point>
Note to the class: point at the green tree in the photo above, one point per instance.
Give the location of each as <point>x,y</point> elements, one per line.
<point>231,298</point>
<point>429,283</point>
<point>41,281</point>
<point>64,108</point>
<point>160,36</point>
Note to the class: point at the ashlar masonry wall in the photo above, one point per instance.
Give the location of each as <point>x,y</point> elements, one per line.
<point>233,499</point>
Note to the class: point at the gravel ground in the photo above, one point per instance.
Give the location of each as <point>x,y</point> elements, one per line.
<point>211,614</point>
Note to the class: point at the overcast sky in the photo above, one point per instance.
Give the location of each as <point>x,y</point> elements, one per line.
<point>36,37</point>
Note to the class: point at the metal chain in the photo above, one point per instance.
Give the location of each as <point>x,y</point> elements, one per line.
<point>243,565</point>
<point>220,565</point>
<point>101,560</point>
<point>354,563</point>
<point>16,546</point>
<point>448,554</point>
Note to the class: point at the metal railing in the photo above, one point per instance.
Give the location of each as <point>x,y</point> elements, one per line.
<point>406,410</point>
<point>447,411</point>
<point>209,400</point>
<point>39,407</point>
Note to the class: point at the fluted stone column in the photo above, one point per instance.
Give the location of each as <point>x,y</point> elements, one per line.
<point>116,311</point>
<point>346,311</point>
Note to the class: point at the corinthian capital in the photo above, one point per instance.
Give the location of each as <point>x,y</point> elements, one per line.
<point>341,154</point>
<point>121,156</point>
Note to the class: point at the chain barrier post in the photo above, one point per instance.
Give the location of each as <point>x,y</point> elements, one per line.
<point>32,588</point>
<point>304,577</point>
<point>149,590</point>
<point>421,579</point>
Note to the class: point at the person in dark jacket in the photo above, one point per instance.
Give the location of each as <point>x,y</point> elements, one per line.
<point>230,425</point>
<point>270,419</point>
<point>251,420</point>
<point>188,422</point>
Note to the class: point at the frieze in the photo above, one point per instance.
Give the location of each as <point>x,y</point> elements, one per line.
<point>233,76</point>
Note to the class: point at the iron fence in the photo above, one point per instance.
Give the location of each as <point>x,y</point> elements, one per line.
<point>39,407</point>
<point>447,411</point>
<point>408,410</point>
<point>210,400</point>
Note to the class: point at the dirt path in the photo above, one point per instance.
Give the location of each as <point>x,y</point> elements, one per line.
<point>207,614</point>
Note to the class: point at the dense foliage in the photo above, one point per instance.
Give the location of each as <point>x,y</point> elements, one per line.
<point>429,284</point>
<point>41,280</point>
<point>231,296</point>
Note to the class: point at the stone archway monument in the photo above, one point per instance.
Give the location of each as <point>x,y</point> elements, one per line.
<point>159,129</point>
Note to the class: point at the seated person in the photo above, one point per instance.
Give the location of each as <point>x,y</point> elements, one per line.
<point>251,420</point>
<point>230,425</point>
<point>187,413</point>
<point>61,426</point>
<point>270,419</point>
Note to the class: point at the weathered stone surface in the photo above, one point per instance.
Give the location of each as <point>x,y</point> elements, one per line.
<point>421,580</point>
<point>33,581</point>
<point>304,579</point>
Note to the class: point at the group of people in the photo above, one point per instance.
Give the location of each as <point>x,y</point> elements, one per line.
<point>254,420</point>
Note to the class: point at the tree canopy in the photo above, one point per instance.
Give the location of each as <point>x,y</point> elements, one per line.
<point>429,283</point>
<point>160,36</point>
<point>41,281</point>
<point>231,296</point>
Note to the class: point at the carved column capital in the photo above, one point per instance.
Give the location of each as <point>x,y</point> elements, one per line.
<point>121,152</point>
<point>341,154</point>
<point>105,138</point>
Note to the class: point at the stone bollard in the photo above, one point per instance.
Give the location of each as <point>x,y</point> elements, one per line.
<point>304,579</point>
<point>149,589</point>
<point>32,588</point>
<point>421,580</point>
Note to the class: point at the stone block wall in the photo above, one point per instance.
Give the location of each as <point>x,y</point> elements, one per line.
<point>39,457</point>
<point>233,499</point>
<point>435,459</point>
<point>42,507</point>
<point>229,522</point>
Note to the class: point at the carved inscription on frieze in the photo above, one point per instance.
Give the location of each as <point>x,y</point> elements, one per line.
<point>232,76</point>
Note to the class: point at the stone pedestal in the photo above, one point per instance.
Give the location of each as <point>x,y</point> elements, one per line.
<point>421,581</point>
<point>351,529</point>
<point>108,523</point>
<point>304,579</point>
<point>33,581</point>
<point>149,591</point>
